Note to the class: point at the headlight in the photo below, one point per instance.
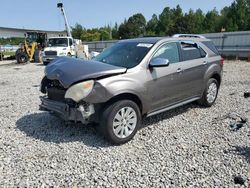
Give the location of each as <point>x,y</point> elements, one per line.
<point>79,91</point>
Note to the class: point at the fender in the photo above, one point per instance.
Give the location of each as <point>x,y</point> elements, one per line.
<point>103,92</point>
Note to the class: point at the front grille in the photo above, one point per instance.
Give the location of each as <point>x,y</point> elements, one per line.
<point>53,88</point>
<point>56,94</point>
<point>50,53</point>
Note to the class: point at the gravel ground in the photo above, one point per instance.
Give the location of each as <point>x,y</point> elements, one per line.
<point>186,147</point>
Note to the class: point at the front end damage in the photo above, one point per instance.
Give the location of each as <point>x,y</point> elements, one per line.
<point>68,110</point>
<point>70,84</point>
<point>77,113</point>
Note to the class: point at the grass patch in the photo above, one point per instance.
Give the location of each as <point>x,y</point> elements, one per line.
<point>9,53</point>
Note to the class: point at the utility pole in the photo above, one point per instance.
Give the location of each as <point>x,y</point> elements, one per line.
<point>60,5</point>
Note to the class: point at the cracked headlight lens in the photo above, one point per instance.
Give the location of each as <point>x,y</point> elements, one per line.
<point>79,91</point>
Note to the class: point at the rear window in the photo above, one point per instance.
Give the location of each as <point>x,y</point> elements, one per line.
<point>191,50</point>
<point>211,46</point>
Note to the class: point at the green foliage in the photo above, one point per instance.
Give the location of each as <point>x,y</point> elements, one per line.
<point>152,25</point>
<point>134,27</point>
<point>166,22</point>
<point>95,34</point>
<point>77,31</point>
<point>211,21</point>
<point>171,21</point>
<point>115,34</point>
<point>12,41</point>
<point>237,16</point>
<point>9,53</point>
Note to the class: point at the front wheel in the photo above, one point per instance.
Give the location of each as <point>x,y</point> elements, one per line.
<point>22,57</point>
<point>120,121</point>
<point>210,93</point>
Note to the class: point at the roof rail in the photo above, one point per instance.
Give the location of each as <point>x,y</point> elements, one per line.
<point>188,35</point>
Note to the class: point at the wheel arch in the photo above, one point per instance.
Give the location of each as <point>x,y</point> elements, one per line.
<point>126,96</point>
<point>217,77</point>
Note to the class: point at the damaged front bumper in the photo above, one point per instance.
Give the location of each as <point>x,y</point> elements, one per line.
<point>79,113</point>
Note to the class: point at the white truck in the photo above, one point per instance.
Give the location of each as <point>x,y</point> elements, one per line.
<point>64,46</point>
<point>58,46</point>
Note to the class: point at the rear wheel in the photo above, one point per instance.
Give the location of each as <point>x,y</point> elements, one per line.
<point>38,56</point>
<point>120,121</point>
<point>210,93</point>
<point>22,57</point>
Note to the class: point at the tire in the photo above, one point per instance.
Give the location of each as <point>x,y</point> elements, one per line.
<point>210,94</point>
<point>19,50</point>
<point>69,55</point>
<point>38,56</point>
<point>22,57</point>
<point>125,129</point>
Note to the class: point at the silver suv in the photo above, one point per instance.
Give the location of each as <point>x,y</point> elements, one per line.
<point>133,79</point>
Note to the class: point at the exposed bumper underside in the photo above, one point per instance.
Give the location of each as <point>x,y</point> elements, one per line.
<point>67,113</point>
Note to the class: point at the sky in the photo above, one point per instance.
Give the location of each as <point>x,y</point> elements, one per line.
<point>44,14</point>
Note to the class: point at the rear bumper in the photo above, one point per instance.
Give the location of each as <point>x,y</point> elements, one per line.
<point>67,113</point>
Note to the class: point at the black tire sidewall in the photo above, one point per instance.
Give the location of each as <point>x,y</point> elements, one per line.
<point>19,58</point>
<point>205,101</point>
<point>108,116</point>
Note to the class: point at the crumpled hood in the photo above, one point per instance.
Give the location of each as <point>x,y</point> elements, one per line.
<point>69,70</point>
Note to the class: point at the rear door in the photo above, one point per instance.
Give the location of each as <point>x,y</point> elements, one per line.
<point>193,66</point>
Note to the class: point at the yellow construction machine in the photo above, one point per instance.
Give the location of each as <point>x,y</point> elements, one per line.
<point>31,48</point>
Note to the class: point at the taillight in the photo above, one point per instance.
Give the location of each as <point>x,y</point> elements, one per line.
<point>222,61</point>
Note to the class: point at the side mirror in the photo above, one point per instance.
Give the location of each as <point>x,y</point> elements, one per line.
<point>159,62</point>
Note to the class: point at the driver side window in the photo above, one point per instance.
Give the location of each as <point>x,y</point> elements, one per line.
<point>168,51</point>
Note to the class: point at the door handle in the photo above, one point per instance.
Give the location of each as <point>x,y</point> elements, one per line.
<point>179,70</point>
<point>204,62</point>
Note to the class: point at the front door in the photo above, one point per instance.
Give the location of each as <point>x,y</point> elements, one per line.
<point>165,83</point>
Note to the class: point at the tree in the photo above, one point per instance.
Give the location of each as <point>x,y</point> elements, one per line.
<point>165,23</point>
<point>134,27</point>
<point>171,21</point>
<point>178,21</point>
<point>77,31</point>
<point>211,21</point>
<point>199,18</point>
<point>123,30</point>
<point>91,35</point>
<point>115,34</point>
<point>152,25</point>
<point>105,33</point>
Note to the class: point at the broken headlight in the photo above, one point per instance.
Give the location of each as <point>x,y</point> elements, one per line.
<point>79,91</point>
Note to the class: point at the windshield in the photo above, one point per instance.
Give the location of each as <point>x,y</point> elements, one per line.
<point>61,42</point>
<point>124,54</point>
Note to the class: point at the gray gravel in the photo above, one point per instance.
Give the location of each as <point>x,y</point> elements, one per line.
<point>186,147</point>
